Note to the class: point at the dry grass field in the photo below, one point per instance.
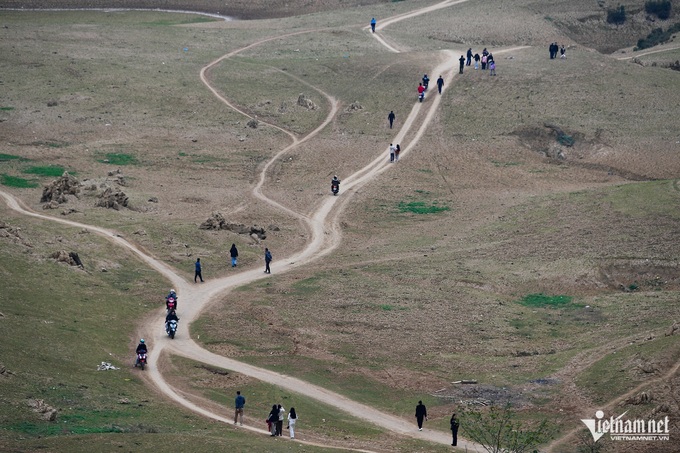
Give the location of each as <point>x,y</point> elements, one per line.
<point>554,178</point>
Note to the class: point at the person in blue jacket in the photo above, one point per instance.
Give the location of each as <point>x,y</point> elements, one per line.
<point>373,25</point>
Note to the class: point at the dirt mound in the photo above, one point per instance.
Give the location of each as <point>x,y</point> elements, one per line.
<point>56,192</point>
<point>14,233</point>
<point>70,258</point>
<point>216,221</point>
<point>112,198</point>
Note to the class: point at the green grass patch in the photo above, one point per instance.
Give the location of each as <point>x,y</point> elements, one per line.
<point>119,159</point>
<point>19,183</point>
<point>6,109</point>
<point>8,157</point>
<point>543,300</point>
<point>420,207</point>
<point>47,170</point>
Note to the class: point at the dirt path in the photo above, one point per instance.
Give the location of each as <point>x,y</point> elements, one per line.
<point>640,54</point>
<point>325,237</point>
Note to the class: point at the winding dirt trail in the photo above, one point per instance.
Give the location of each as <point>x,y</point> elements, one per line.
<point>325,237</point>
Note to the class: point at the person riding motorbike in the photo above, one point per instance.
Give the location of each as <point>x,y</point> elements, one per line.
<point>173,296</point>
<point>141,349</point>
<point>335,184</point>
<point>426,81</point>
<point>172,316</point>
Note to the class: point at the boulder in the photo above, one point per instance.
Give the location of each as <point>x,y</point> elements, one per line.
<point>57,191</point>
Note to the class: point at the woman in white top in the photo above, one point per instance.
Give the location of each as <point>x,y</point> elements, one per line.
<point>292,418</point>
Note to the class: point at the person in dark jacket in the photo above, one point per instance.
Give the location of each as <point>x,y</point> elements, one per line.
<point>141,347</point>
<point>198,274</point>
<point>391,117</point>
<point>440,84</point>
<point>272,419</point>
<point>462,64</point>
<point>421,414</point>
<point>477,58</point>
<point>469,57</point>
<point>454,429</point>
<point>267,260</point>
<point>233,252</point>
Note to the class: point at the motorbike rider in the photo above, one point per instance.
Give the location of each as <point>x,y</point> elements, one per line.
<point>141,349</point>
<point>172,316</point>
<point>172,295</point>
<point>426,81</point>
<point>335,183</point>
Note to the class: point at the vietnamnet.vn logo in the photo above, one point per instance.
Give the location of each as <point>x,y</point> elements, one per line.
<point>620,429</point>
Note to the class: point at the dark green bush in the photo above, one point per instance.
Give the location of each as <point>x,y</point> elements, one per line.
<point>657,36</point>
<point>616,16</point>
<point>660,8</point>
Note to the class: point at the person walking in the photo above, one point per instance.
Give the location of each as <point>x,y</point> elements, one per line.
<point>421,414</point>
<point>440,84</point>
<point>476,57</point>
<point>233,252</point>
<point>198,274</point>
<point>292,419</point>
<point>391,117</point>
<point>272,418</point>
<point>279,421</point>
<point>563,56</point>
<point>469,57</point>
<point>373,22</point>
<point>492,68</point>
<point>267,260</point>
<point>454,429</point>
<point>462,63</point>
<point>239,403</point>
<point>392,152</point>
<point>397,150</point>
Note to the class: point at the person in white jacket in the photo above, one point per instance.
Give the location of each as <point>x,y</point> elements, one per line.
<point>292,419</point>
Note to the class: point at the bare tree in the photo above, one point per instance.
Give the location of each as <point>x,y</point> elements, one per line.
<point>499,431</point>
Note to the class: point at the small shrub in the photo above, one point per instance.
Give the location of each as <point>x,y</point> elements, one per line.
<point>616,16</point>
<point>661,8</point>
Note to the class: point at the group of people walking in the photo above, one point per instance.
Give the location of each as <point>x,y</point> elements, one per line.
<point>276,418</point>
<point>233,254</point>
<point>486,60</point>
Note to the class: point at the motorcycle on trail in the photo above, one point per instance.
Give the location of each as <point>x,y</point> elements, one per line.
<point>170,304</point>
<point>171,328</point>
<point>141,360</point>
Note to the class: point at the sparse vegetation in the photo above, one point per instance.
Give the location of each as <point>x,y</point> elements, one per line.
<point>543,300</point>
<point>119,159</point>
<point>420,207</point>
